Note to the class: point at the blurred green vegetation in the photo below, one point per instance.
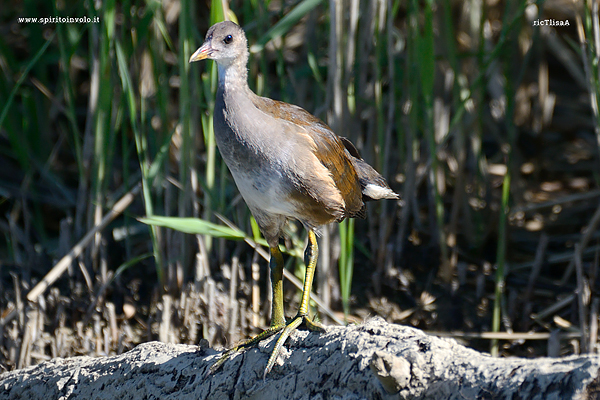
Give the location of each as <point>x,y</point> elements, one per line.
<point>487,125</point>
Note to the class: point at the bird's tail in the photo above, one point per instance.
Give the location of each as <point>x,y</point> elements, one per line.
<point>373,185</point>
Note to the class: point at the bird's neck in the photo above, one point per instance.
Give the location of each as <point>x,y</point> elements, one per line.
<point>233,76</point>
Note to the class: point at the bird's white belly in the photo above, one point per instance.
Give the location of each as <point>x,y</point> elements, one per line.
<point>268,195</point>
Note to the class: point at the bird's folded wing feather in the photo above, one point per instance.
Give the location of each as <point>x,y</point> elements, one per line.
<point>327,147</point>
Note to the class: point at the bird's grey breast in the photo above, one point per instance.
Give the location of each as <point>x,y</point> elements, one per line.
<point>234,135</point>
<point>241,133</point>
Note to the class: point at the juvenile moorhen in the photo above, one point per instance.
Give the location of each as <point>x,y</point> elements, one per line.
<point>287,164</point>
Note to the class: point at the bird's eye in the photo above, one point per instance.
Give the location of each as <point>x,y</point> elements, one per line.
<point>228,39</point>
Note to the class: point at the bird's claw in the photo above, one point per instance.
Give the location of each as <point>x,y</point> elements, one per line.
<point>286,331</point>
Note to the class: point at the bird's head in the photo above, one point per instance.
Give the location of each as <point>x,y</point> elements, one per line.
<point>225,43</point>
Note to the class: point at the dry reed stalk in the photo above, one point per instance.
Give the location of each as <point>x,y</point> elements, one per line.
<point>112,322</point>
<point>29,337</point>
<point>233,305</point>
<point>540,253</point>
<point>255,291</point>
<point>210,324</point>
<point>76,251</point>
<point>588,232</point>
<point>593,327</point>
<point>164,331</point>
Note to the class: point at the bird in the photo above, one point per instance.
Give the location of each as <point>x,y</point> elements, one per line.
<point>288,165</point>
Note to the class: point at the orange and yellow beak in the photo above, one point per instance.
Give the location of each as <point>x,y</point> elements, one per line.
<point>202,53</point>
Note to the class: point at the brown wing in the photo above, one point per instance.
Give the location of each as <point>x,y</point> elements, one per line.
<point>330,150</point>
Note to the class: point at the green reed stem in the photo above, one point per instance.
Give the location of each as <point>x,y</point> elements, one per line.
<point>346,263</point>
<point>141,145</point>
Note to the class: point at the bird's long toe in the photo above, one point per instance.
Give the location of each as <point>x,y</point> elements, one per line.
<point>244,345</point>
<point>287,331</point>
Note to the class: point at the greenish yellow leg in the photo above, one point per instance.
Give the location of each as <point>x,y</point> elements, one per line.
<point>311,255</point>
<point>277,316</point>
<point>310,258</point>
<point>276,265</point>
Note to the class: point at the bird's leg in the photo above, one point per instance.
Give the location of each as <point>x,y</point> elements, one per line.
<point>277,316</point>
<point>310,258</point>
<point>276,266</point>
<point>311,255</point>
